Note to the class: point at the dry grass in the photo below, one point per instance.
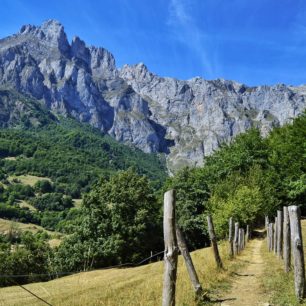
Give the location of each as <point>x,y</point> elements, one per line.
<point>28,179</point>
<point>10,158</point>
<point>77,203</point>
<point>7,225</point>
<point>129,286</point>
<point>26,204</point>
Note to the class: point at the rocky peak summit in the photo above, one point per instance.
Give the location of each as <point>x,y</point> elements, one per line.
<point>186,120</point>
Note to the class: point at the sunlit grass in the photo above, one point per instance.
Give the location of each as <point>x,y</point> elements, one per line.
<point>129,286</point>
<point>28,179</point>
<point>278,284</point>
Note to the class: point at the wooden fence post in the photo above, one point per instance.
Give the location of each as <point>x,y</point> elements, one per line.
<point>275,236</point>
<point>213,239</point>
<point>297,250</point>
<point>230,238</point>
<point>247,238</point>
<point>267,225</point>
<point>280,234</point>
<point>171,249</point>
<point>240,240</point>
<point>188,261</point>
<point>236,238</point>
<point>286,234</point>
<point>271,235</point>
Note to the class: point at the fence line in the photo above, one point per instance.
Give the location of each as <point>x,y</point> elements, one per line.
<point>288,236</point>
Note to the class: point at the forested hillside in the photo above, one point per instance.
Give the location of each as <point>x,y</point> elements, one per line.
<point>120,218</point>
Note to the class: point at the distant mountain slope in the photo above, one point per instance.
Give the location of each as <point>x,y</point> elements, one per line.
<point>73,154</point>
<point>187,120</point>
<point>17,110</point>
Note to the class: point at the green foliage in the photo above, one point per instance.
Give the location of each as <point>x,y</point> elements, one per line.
<point>32,255</point>
<point>52,201</point>
<point>43,186</point>
<point>120,224</point>
<point>18,214</point>
<point>191,196</point>
<point>16,192</point>
<point>73,155</point>
<point>245,198</point>
<point>246,179</point>
<point>242,153</point>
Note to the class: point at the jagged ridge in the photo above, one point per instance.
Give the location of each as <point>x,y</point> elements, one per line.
<point>185,119</point>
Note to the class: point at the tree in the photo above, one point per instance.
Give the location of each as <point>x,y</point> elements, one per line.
<point>121,224</point>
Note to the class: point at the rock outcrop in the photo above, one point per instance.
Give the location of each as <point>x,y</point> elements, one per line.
<point>186,120</point>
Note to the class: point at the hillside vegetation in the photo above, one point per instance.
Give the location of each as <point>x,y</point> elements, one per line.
<point>120,219</point>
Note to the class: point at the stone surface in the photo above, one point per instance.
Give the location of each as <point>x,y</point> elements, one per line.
<point>187,120</point>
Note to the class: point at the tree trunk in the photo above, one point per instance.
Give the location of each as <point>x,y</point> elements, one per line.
<point>171,249</point>
<point>297,250</point>
<point>213,239</point>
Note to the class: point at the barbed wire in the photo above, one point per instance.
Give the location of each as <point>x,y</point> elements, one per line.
<point>14,276</point>
<point>32,293</point>
<point>75,272</point>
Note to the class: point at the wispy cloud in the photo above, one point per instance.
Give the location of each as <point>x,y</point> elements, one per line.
<point>187,32</point>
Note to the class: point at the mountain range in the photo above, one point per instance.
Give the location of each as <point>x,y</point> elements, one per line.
<point>185,120</point>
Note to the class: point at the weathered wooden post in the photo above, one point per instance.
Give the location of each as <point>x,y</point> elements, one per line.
<point>171,249</point>
<point>286,234</point>
<point>271,235</point>
<point>230,238</point>
<point>297,250</point>
<point>268,237</point>
<point>267,225</point>
<point>213,240</point>
<point>279,234</point>
<point>188,261</point>
<point>240,240</point>
<point>275,236</point>
<point>247,238</point>
<point>236,238</point>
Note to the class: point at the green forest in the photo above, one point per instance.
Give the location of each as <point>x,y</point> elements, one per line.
<point>120,218</point>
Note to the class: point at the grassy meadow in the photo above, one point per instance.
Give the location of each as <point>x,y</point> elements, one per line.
<point>127,286</point>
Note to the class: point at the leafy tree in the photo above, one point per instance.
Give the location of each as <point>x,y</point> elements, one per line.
<point>192,194</point>
<point>121,224</point>
<point>52,201</point>
<point>43,186</point>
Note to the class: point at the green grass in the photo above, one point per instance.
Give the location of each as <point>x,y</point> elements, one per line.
<point>278,284</point>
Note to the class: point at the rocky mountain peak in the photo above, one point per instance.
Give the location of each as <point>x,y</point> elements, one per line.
<point>79,49</point>
<point>55,34</point>
<point>186,120</point>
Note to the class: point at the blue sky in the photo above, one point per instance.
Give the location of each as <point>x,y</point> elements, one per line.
<point>251,41</point>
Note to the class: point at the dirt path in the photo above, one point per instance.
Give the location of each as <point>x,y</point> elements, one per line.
<point>246,287</point>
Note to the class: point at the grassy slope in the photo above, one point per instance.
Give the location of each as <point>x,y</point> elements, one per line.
<point>129,286</point>
<point>276,282</point>
<point>8,225</point>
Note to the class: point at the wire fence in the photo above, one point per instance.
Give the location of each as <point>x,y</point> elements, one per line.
<point>12,277</point>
